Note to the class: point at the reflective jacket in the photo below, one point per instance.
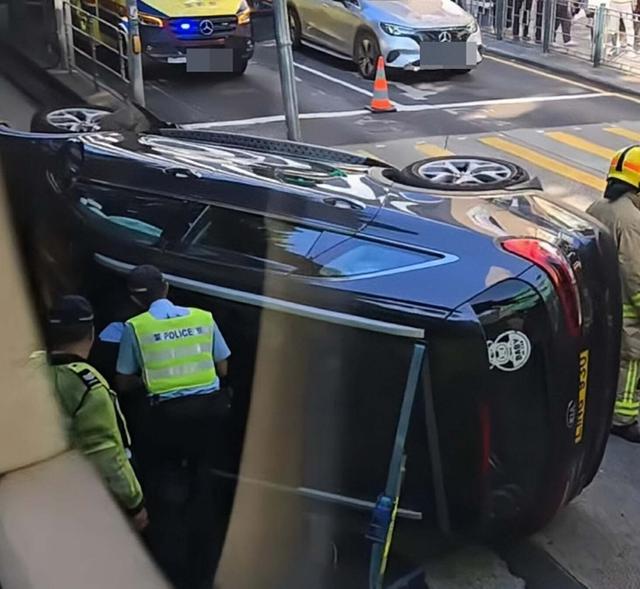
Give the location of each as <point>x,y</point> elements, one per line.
<point>177,352</point>
<point>622,219</point>
<point>95,424</point>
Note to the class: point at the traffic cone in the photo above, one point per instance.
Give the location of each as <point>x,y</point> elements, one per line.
<point>380,100</point>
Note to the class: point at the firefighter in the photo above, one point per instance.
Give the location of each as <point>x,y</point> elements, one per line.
<point>619,211</point>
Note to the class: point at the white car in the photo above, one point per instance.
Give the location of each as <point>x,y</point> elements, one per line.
<point>411,35</point>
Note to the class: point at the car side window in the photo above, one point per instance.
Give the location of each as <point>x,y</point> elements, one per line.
<point>359,257</point>
<point>137,218</point>
<point>263,242</point>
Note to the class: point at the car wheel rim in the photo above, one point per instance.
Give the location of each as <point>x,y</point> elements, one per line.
<point>367,57</point>
<point>464,172</point>
<point>293,28</point>
<point>76,120</point>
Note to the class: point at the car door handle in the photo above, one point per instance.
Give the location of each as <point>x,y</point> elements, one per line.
<point>341,202</point>
<point>182,173</point>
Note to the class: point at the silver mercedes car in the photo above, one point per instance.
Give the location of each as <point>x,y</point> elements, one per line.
<point>411,35</point>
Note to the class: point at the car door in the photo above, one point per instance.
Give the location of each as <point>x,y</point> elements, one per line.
<point>310,14</point>
<point>339,21</point>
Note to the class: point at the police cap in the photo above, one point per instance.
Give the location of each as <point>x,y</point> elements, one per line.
<point>145,279</point>
<point>70,310</point>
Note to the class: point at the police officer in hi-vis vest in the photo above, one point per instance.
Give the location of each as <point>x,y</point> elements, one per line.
<point>180,355</point>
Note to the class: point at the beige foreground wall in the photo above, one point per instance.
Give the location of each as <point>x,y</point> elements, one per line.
<point>59,528</point>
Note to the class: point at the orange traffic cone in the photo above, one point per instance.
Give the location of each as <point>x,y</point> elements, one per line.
<point>380,100</point>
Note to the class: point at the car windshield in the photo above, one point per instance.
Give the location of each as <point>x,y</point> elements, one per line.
<point>320,294</point>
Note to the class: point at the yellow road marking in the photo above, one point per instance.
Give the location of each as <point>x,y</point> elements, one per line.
<point>432,150</point>
<point>539,72</point>
<point>365,153</point>
<point>545,162</point>
<point>626,133</point>
<point>581,144</point>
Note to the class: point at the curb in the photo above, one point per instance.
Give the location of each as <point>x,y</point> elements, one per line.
<point>37,82</point>
<point>566,71</point>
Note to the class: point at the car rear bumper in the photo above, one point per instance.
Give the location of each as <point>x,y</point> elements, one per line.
<point>518,444</point>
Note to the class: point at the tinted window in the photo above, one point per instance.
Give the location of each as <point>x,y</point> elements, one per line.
<point>262,240</point>
<point>357,257</point>
<point>140,219</point>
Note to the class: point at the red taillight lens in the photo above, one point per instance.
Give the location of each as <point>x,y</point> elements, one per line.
<point>550,259</point>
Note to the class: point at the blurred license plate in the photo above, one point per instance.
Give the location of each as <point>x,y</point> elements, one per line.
<point>209,59</point>
<point>452,54</point>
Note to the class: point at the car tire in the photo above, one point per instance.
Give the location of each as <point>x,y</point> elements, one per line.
<point>240,68</point>
<point>295,27</point>
<point>69,119</point>
<point>365,54</point>
<point>463,174</point>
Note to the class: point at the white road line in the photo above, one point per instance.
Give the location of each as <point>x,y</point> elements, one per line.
<point>315,72</point>
<point>493,101</point>
<point>401,108</point>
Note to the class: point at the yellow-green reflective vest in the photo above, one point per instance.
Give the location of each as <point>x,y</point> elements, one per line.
<point>176,353</point>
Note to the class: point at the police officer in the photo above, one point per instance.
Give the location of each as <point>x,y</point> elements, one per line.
<point>179,355</point>
<point>95,423</point>
<point>619,211</point>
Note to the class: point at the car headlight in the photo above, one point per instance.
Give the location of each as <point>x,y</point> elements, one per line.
<point>472,27</point>
<point>396,30</point>
<point>149,20</point>
<point>244,13</point>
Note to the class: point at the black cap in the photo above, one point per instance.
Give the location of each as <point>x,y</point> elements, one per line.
<point>145,278</point>
<point>70,310</point>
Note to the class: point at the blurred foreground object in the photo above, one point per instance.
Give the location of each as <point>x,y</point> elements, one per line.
<point>58,526</point>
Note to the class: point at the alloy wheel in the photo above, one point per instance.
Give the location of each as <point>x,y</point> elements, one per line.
<point>76,120</point>
<point>367,57</point>
<point>462,171</point>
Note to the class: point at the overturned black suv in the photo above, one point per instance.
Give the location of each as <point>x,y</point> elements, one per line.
<point>325,270</point>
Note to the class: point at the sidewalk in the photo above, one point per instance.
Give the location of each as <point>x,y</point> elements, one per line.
<point>15,108</point>
<point>613,79</point>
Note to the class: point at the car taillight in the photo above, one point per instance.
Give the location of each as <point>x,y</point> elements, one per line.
<point>550,259</point>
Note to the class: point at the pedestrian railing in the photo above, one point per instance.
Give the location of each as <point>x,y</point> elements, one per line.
<point>602,33</point>
<point>96,42</point>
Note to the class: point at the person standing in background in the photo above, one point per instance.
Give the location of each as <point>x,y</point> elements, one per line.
<point>621,11</point>
<point>564,17</point>
<point>526,19</point>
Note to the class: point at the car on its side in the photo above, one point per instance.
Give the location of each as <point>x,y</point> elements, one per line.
<point>324,270</point>
<point>411,35</point>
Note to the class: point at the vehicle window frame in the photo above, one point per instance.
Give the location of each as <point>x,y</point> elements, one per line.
<point>258,264</point>
<point>169,235</point>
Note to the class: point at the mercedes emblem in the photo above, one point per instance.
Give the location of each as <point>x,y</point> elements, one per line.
<point>444,37</point>
<point>206,28</point>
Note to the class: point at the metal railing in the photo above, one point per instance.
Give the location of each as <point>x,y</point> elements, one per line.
<point>603,34</point>
<point>93,45</point>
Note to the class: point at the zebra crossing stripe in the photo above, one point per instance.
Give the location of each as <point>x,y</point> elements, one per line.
<point>581,144</point>
<point>545,162</point>
<point>432,150</point>
<point>626,133</point>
